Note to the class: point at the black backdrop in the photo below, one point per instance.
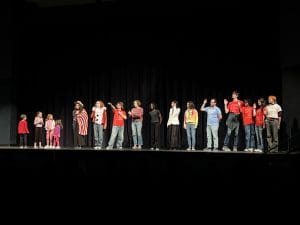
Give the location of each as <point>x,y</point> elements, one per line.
<point>70,53</point>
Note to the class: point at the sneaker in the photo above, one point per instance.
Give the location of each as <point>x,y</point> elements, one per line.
<point>188,149</point>
<point>193,149</point>
<point>250,149</point>
<point>96,147</point>
<point>21,147</point>
<point>57,147</point>
<point>235,149</point>
<point>257,150</point>
<point>35,147</point>
<point>151,148</point>
<point>157,149</point>
<point>215,149</point>
<point>206,149</point>
<point>109,148</point>
<point>246,150</point>
<point>139,147</point>
<point>120,148</point>
<point>134,147</point>
<point>226,149</point>
<point>45,146</point>
<point>25,147</point>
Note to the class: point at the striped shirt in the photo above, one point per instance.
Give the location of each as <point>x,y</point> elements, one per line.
<point>82,121</point>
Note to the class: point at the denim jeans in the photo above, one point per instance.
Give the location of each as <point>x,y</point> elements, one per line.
<point>191,134</point>
<point>212,134</point>
<point>249,135</point>
<point>137,132</point>
<point>116,133</point>
<point>98,134</point>
<point>259,137</point>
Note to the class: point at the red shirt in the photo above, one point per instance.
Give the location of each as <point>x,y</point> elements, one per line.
<point>247,112</point>
<point>233,106</point>
<point>23,127</point>
<point>259,119</point>
<point>118,119</point>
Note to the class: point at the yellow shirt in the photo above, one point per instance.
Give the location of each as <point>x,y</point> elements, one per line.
<point>191,116</point>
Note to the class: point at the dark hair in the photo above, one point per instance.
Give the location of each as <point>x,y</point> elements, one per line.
<point>138,102</point>
<point>248,100</point>
<point>154,105</point>
<point>191,105</point>
<point>176,103</point>
<point>236,92</point>
<point>263,102</point>
<point>214,100</point>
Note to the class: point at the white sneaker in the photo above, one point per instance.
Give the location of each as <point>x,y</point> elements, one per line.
<point>120,148</point>
<point>151,148</point>
<point>188,149</point>
<point>95,147</point>
<point>109,148</point>
<point>226,149</point>
<point>157,149</point>
<point>134,147</point>
<point>257,150</point>
<point>57,147</point>
<point>139,147</point>
<point>234,149</point>
<point>250,149</point>
<point>246,150</point>
<point>193,149</point>
<point>46,146</point>
<point>21,147</point>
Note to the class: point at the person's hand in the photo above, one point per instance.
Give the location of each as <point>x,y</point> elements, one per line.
<point>225,101</point>
<point>104,128</point>
<point>279,127</point>
<point>109,103</point>
<point>254,106</point>
<point>94,109</point>
<point>205,101</point>
<point>130,113</point>
<point>239,103</point>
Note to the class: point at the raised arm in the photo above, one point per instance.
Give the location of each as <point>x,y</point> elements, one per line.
<point>226,106</point>
<point>111,105</point>
<point>203,105</point>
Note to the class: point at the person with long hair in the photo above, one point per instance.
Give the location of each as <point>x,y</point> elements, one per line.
<point>99,120</point>
<point>273,113</point>
<point>173,124</point>
<point>214,116</point>
<point>57,134</point>
<point>190,124</point>
<point>38,130</point>
<point>233,109</point>
<point>136,114</point>
<point>49,127</point>
<point>155,122</point>
<point>117,132</point>
<point>248,121</point>
<point>80,124</point>
<point>259,114</point>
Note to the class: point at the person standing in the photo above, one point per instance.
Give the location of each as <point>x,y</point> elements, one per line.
<point>233,109</point>
<point>80,124</point>
<point>259,114</point>
<point>214,115</point>
<point>248,121</point>
<point>155,122</point>
<point>99,120</point>
<point>38,130</point>
<point>273,115</point>
<point>173,126</point>
<point>190,124</point>
<point>23,131</point>
<point>136,114</point>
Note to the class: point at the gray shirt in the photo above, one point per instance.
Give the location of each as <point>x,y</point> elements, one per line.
<point>155,116</point>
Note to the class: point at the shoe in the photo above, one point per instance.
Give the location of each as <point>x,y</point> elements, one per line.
<point>35,147</point>
<point>45,146</point>
<point>235,149</point>
<point>273,151</point>
<point>120,148</point>
<point>188,149</point>
<point>57,147</point>
<point>21,147</point>
<point>250,149</point>
<point>246,150</point>
<point>25,147</point>
<point>206,149</point>
<point>226,149</point>
<point>139,147</point>
<point>157,149</point>
<point>257,150</point>
<point>151,148</point>
<point>96,147</point>
<point>193,149</point>
<point>134,147</point>
<point>109,148</point>
<point>215,149</point>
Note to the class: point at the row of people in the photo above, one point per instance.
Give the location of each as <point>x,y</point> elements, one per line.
<point>255,118</point>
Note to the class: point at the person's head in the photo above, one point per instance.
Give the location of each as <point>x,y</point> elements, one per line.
<point>272,99</point>
<point>120,105</point>
<point>213,102</point>
<point>235,94</point>
<point>190,105</point>
<point>99,104</point>
<point>153,106</point>
<point>39,114</point>
<point>23,117</point>
<point>247,102</point>
<point>136,103</point>
<point>261,102</point>
<point>49,117</point>
<point>58,123</point>
<point>78,105</point>
<point>174,103</point>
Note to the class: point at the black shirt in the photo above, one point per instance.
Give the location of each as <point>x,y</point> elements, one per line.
<point>155,116</point>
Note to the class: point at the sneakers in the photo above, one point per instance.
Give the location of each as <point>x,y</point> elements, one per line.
<point>206,149</point>
<point>188,149</point>
<point>157,149</point>
<point>257,150</point>
<point>226,149</point>
<point>215,149</point>
<point>193,149</point>
<point>234,149</point>
<point>97,148</point>
<point>151,148</point>
<point>57,147</point>
<point>120,148</point>
<point>139,147</point>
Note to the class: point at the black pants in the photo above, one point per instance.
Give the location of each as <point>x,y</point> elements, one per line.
<point>38,134</point>
<point>155,134</point>
<point>174,136</point>
<point>23,139</point>
<point>79,140</point>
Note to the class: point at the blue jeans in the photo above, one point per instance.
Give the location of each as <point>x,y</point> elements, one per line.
<point>259,137</point>
<point>212,134</point>
<point>117,132</point>
<point>98,134</point>
<point>191,134</point>
<point>137,133</point>
<point>249,135</point>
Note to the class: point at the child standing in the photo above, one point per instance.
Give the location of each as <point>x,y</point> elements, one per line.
<point>156,120</point>
<point>173,126</point>
<point>118,126</point>
<point>247,113</point>
<point>259,115</point>
<point>23,131</point>
<point>136,114</point>
<point>38,130</point>
<point>100,122</point>
<point>190,124</point>
<point>49,127</point>
<point>56,134</point>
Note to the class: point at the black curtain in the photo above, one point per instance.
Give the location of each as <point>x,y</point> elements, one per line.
<point>58,64</point>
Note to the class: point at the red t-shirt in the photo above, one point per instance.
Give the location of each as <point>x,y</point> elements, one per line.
<point>23,127</point>
<point>118,119</point>
<point>233,106</point>
<point>247,112</point>
<point>259,119</point>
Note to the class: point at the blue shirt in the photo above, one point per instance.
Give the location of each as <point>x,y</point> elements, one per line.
<point>213,115</point>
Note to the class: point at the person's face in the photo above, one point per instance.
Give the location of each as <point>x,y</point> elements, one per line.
<point>77,107</point>
<point>212,103</point>
<point>50,117</point>
<point>25,118</point>
<point>173,104</point>
<point>259,102</point>
<point>271,101</point>
<point>119,106</point>
<point>234,95</point>
<point>246,103</point>
<point>98,104</point>
<point>151,106</point>
<point>135,104</point>
<point>40,114</point>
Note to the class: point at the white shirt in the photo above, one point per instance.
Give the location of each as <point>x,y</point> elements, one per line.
<point>174,116</point>
<point>273,110</point>
<point>99,114</point>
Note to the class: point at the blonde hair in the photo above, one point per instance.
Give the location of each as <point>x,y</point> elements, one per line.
<point>49,117</point>
<point>138,102</point>
<point>101,103</point>
<point>59,122</point>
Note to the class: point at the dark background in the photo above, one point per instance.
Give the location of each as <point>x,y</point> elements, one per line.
<point>153,51</point>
